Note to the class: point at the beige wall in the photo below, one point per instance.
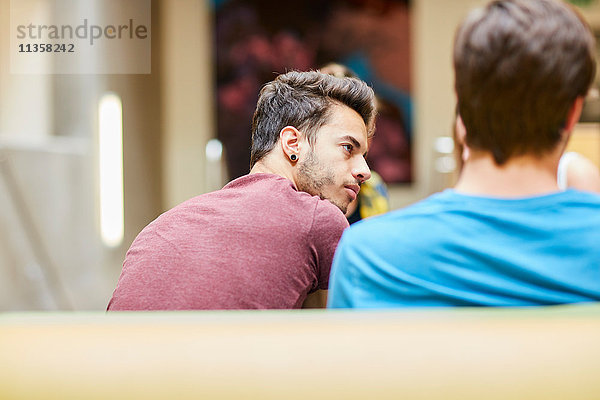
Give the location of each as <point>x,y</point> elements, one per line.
<point>586,137</point>
<point>187,97</point>
<point>26,110</point>
<point>434,22</point>
<point>585,140</point>
<point>51,255</point>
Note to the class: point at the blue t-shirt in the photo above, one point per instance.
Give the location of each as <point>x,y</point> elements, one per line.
<point>458,250</point>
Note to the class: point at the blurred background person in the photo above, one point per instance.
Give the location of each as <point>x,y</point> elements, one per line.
<point>577,172</point>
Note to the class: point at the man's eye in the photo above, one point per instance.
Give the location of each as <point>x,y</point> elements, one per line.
<point>347,147</point>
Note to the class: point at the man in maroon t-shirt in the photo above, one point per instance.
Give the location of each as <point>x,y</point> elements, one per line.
<point>267,239</point>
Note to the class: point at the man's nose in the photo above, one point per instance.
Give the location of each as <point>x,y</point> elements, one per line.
<point>361,171</point>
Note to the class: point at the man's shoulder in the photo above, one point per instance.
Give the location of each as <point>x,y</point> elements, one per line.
<point>325,207</point>
<point>258,180</point>
<point>327,217</point>
<point>431,205</point>
<point>582,198</point>
<point>278,194</point>
<point>440,210</point>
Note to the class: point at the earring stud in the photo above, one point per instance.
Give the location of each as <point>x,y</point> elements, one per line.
<point>293,157</point>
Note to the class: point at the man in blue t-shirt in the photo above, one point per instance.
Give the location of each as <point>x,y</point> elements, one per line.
<point>505,235</point>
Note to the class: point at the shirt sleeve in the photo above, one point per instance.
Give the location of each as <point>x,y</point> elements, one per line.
<point>328,225</point>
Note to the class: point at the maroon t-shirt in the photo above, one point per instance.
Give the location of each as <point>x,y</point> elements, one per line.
<point>256,243</point>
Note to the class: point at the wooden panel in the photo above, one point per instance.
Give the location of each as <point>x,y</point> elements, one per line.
<point>541,353</point>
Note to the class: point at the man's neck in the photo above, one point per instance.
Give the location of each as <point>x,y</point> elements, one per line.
<point>273,165</point>
<point>522,176</point>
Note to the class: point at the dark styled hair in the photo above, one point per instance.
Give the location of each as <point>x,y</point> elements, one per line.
<point>303,100</point>
<point>519,66</point>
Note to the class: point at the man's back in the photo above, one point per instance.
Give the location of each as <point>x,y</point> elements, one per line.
<point>459,250</point>
<point>257,243</point>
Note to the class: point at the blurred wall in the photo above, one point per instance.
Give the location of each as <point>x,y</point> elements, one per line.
<point>434,23</point>
<point>187,97</point>
<point>51,255</point>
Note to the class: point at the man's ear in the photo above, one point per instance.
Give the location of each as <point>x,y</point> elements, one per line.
<point>574,114</point>
<point>291,142</point>
<point>460,130</point>
<point>460,134</point>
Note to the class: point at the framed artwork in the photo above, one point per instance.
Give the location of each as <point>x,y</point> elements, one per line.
<point>257,39</point>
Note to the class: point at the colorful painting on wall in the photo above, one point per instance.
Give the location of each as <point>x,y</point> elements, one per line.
<point>257,39</point>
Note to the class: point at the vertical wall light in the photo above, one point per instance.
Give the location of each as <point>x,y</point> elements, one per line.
<point>110,117</point>
<point>214,165</point>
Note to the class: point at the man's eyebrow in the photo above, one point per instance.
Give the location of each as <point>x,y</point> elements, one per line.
<point>355,143</point>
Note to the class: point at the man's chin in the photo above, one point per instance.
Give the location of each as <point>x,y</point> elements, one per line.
<point>342,206</point>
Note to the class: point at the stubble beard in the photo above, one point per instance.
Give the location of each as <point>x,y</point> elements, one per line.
<point>313,176</point>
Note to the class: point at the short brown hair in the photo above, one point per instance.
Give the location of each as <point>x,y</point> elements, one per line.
<point>519,66</point>
<point>303,100</point>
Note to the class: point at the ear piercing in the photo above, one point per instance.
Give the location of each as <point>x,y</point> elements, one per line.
<point>293,157</point>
